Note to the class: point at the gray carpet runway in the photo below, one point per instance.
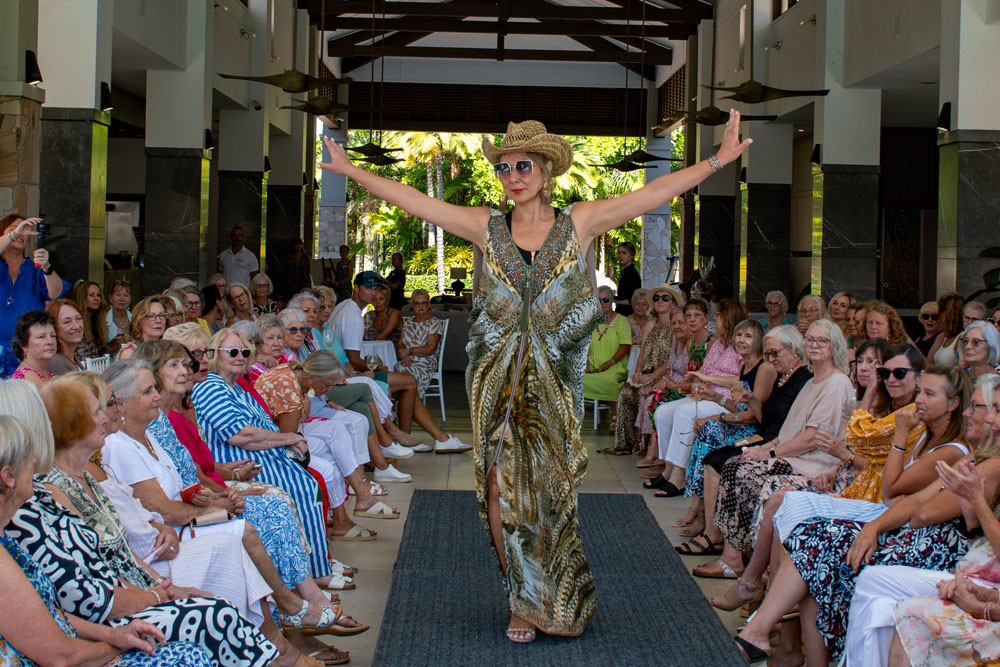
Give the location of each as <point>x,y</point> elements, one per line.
<point>446,606</point>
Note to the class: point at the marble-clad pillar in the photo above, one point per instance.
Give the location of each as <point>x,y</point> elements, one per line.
<point>968,207</point>
<point>655,260</point>
<point>845,230</point>
<point>763,265</point>
<point>243,202</point>
<point>715,229</point>
<point>74,162</point>
<point>176,220</point>
<point>284,227</point>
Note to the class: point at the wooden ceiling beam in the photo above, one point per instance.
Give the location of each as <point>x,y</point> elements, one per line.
<point>477,8</point>
<point>568,28</point>
<point>383,49</point>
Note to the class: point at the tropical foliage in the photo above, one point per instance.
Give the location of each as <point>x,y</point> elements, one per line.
<point>450,166</point>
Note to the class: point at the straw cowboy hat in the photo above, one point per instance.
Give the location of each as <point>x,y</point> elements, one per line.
<point>674,293</point>
<point>531,137</point>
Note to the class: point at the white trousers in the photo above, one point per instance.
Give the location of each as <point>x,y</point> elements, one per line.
<point>675,427</point>
<point>355,424</point>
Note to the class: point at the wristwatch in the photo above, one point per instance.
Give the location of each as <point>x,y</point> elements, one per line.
<point>774,453</point>
<point>49,271</point>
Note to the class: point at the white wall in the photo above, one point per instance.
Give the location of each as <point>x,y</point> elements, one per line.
<point>159,26</point>
<point>232,41</point>
<point>879,35</point>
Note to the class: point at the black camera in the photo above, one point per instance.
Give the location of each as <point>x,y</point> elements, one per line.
<point>43,229</point>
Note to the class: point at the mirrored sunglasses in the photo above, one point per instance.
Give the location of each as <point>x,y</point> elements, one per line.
<point>236,351</point>
<point>522,167</point>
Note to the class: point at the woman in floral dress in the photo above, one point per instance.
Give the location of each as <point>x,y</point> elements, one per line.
<point>418,347</point>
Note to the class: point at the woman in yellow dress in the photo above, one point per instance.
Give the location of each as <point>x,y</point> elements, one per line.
<point>533,313</point>
<point>607,360</point>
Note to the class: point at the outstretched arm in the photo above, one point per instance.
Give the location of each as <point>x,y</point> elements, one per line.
<point>594,218</point>
<point>465,221</point>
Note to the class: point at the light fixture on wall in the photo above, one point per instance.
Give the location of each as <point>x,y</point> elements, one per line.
<point>811,19</point>
<point>209,142</point>
<point>32,75</point>
<point>944,118</point>
<point>816,157</point>
<point>106,104</point>
<point>267,165</point>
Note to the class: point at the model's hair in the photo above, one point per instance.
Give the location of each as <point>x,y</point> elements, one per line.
<point>22,329</point>
<point>838,344</point>
<point>950,307</point>
<point>757,329</point>
<point>992,339</point>
<point>122,375</point>
<point>215,363</point>
<point>20,399</point>
<point>731,312</point>
<point>789,337</point>
<point>65,401</point>
<point>141,312</point>
<point>543,163</point>
<point>95,324</point>
<point>897,332</point>
<point>321,364</point>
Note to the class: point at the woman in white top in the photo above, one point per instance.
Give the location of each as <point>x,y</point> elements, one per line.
<point>944,351</point>
<point>119,317</point>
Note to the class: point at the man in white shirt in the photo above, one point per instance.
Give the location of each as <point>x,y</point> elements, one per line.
<point>237,262</point>
<point>348,325</point>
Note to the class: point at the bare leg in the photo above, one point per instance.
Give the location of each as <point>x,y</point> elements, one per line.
<point>362,489</point>
<point>341,522</point>
<point>288,654</point>
<point>404,387</point>
<point>786,591</point>
<point>765,537</point>
<point>816,652</point>
<point>789,650</point>
<point>496,532</point>
<point>694,519</point>
<point>423,417</point>
<point>711,496</point>
<point>897,654</point>
<point>288,602</point>
<point>675,475</point>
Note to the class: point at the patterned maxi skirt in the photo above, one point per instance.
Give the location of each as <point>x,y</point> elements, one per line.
<point>713,435</point>
<point>739,494</point>
<point>819,547</point>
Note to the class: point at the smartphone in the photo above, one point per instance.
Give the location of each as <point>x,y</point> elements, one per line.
<point>189,492</point>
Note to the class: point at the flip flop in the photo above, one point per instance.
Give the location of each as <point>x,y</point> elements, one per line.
<point>700,548</point>
<point>339,630</point>
<point>378,511</point>
<point>725,572</point>
<point>752,654</point>
<point>355,534</point>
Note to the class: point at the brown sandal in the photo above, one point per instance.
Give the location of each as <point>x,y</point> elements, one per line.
<point>731,600</point>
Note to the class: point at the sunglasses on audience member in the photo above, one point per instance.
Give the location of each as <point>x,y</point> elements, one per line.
<point>605,299</point>
<point>898,373</point>
<point>992,320</point>
<point>974,342</point>
<point>236,351</point>
<point>927,317</point>
<point>522,167</point>
<point>297,330</point>
<point>665,297</point>
<point>198,355</point>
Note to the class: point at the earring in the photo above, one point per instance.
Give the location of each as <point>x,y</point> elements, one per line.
<point>547,190</point>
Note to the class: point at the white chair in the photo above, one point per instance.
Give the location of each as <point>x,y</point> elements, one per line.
<point>97,364</point>
<point>436,386</point>
<point>597,411</point>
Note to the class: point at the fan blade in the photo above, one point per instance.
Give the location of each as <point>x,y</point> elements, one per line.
<point>381,160</point>
<point>640,155</point>
<point>370,149</point>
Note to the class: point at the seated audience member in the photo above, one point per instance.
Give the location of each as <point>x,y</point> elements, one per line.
<point>40,632</point>
<point>383,321</point>
<point>24,283</point>
<point>90,301</point>
<point>929,321</point>
<point>777,306</point>
<point>69,336</point>
<point>822,556</point>
<point>119,319</point>
<point>783,349</point>
<point>180,282</point>
<point>945,348</point>
<point>240,303</point>
<point>149,322</point>
<point>173,303</point>
<point>951,636</point>
<point>994,318</point>
<point>755,382</point>
<point>639,317</point>
<point>285,390</point>
<point>795,453</point>
<point>92,588</point>
<point>270,344</point>
<point>811,308</point>
<point>213,307</point>
<point>979,347</point>
<point>669,385</point>
<point>836,310</point>
<point>309,304</point>
<point>329,296</point>
<point>261,288</point>
<point>853,339</point>
<point>868,359</point>
<point>235,425</point>
<point>607,358</point>
<point>396,280</point>
<point>192,308</point>
<point>860,334</point>
<point>710,395</point>
<point>296,335</point>
<point>652,365</point>
<point>347,326</point>
<point>973,312</point>
<point>35,344</point>
<point>887,423</point>
<point>882,321</point>
<point>220,282</point>
<point>699,338</point>
<point>418,346</point>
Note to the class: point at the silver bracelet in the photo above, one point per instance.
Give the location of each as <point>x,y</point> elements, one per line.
<point>713,162</point>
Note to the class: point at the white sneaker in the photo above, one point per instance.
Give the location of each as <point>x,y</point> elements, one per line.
<point>397,451</point>
<point>423,448</point>
<point>390,474</point>
<point>451,446</point>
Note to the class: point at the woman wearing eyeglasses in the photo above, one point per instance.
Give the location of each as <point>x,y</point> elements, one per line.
<point>929,321</point>
<point>777,304</point>
<point>534,313</point>
<point>653,364</point>
<point>607,358</point>
<point>811,308</point>
<point>237,428</point>
<point>240,303</point>
<point>149,321</point>
<point>979,346</point>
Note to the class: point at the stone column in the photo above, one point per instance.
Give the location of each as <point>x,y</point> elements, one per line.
<point>20,110</point>
<point>969,164</point>
<point>656,225</point>
<point>178,110</point>
<point>332,226</point>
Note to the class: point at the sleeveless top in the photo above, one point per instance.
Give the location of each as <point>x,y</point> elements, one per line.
<point>946,353</point>
<point>750,376</point>
<point>656,347</point>
<point>961,446</point>
<point>19,374</point>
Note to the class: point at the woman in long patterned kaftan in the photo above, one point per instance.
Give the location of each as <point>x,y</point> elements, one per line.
<point>535,302</point>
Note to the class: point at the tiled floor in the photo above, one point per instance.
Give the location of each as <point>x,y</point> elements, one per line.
<point>605,474</point>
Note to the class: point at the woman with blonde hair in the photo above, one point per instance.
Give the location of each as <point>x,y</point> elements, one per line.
<point>240,303</point>
<point>882,321</point>
<point>837,310</point>
<point>382,322</point>
<point>90,301</point>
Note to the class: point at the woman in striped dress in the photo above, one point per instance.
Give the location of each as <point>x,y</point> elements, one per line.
<point>235,424</point>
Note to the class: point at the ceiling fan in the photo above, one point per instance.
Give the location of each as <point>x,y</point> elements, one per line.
<point>375,153</point>
<point>713,115</point>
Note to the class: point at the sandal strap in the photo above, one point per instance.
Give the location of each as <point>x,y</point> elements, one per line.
<point>750,587</point>
<point>295,620</point>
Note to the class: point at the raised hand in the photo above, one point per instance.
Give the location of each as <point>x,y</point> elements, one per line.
<point>732,147</point>
<point>962,480</point>
<point>339,162</point>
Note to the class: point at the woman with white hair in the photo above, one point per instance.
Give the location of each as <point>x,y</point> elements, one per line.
<point>261,288</point>
<point>777,307</point>
<point>979,346</point>
<point>811,308</point>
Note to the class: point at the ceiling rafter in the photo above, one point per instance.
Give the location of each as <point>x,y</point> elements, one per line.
<point>604,51</point>
<point>477,8</point>
<point>549,27</point>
